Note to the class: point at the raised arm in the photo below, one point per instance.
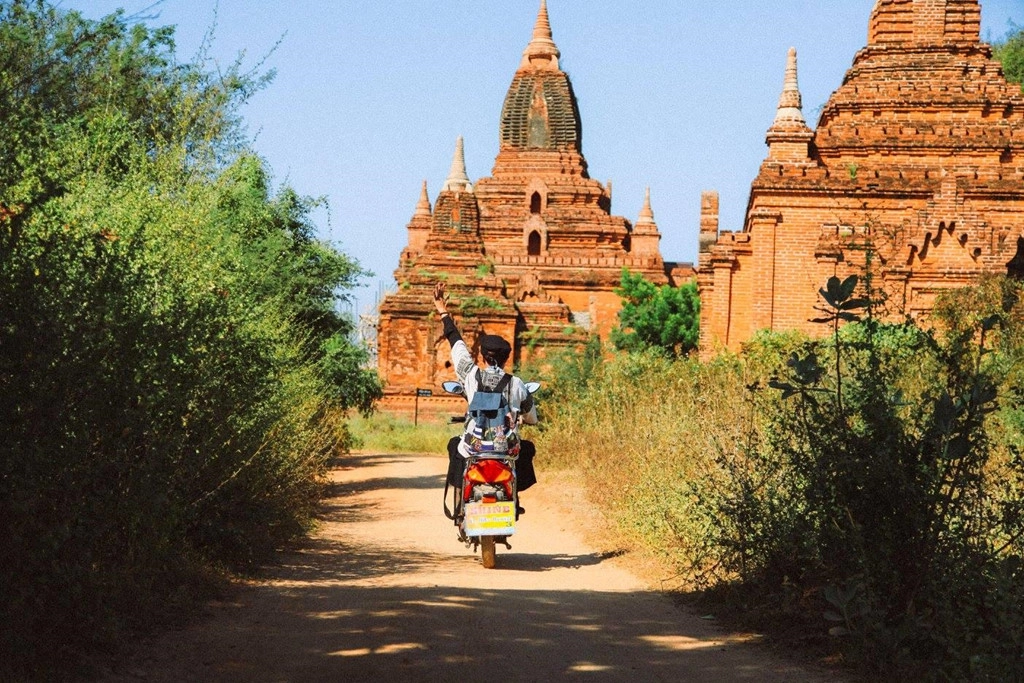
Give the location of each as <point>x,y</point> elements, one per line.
<point>462,359</point>
<point>451,332</point>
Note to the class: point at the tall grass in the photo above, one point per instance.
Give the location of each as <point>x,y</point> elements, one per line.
<point>644,428</point>
<point>863,490</point>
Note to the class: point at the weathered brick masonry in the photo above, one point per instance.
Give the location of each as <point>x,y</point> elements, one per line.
<point>532,252</point>
<point>917,159</point>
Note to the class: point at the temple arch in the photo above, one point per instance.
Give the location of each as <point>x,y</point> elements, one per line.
<point>533,244</point>
<point>1015,266</point>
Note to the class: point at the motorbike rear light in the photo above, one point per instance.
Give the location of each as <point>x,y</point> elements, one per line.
<point>489,472</point>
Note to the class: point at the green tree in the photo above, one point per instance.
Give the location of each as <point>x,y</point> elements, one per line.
<point>652,316</point>
<point>173,367</point>
<point>305,276</point>
<point>1010,51</point>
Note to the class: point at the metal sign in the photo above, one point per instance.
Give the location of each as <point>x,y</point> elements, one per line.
<point>416,410</point>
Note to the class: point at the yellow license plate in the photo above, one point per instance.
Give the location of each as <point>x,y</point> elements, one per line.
<point>490,519</point>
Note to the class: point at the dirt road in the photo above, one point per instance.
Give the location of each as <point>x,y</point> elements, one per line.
<point>384,592</point>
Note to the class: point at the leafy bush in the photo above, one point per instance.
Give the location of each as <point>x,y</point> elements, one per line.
<point>866,488</point>
<point>173,373</point>
<point>1010,52</point>
<point>664,317</point>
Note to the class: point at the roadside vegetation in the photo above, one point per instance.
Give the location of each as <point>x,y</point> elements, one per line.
<point>863,492</point>
<point>1010,52</point>
<point>382,433</point>
<point>174,374</point>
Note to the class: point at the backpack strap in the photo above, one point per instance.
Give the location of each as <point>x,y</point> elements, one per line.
<point>503,384</point>
<point>499,388</point>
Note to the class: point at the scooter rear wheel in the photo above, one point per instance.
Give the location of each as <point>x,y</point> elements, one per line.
<point>488,555</point>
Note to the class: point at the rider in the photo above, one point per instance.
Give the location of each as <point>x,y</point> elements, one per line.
<point>495,352</point>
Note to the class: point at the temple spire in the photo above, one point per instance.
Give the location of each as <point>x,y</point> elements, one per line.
<point>646,214</point>
<point>789,137</point>
<point>541,53</point>
<point>645,238</point>
<point>423,206</point>
<point>457,180</point>
<point>790,109</point>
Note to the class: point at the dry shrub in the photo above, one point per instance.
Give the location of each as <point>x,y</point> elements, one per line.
<point>644,428</point>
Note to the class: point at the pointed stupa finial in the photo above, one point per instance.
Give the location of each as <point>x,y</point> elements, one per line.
<point>646,214</point>
<point>458,181</point>
<point>423,205</point>
<point>790,102</point>
<point>645,238</point>
<point>541,53</point>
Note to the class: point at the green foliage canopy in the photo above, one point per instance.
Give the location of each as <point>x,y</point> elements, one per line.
<point>1010,51</point>
<point>665,317</point>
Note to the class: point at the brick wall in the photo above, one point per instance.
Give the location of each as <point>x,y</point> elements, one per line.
<point>918,155</point>
<point>477,240</point>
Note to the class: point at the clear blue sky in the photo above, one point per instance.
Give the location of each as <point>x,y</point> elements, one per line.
<point>370,95</point>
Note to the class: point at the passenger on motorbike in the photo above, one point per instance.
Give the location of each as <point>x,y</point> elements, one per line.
<point>495,352</point>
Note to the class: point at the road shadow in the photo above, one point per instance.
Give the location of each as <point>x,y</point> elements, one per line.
<point>356,461</point>
<point>444,633</point>
<point>433,481</point>
<point>539,562</point>
<point>351,606</point>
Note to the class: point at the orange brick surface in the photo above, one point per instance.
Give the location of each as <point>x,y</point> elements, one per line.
<point>532,252</point>
<point>917,160</point>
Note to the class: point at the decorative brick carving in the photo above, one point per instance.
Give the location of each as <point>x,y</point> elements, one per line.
<point>917,159</point>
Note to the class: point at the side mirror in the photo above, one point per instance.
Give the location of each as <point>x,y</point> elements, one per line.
<point>532,387</point>
<point>453,388</point>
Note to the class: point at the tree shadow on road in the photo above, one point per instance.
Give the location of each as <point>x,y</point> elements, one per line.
<point>434,481</point>
<point>446,633</point>
<point>352,604</point>
<point>537,562</point>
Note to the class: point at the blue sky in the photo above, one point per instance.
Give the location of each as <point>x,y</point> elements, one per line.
<point>370,95</point>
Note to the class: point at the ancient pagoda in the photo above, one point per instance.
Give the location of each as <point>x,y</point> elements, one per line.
<point>916,165</point>
<point>531,253</point>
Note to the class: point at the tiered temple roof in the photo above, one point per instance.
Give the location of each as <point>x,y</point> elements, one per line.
<point>917,160</point>
<point>532,252</point>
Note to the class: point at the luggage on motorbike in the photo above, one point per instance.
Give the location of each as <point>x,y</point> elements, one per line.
<point>491,421</point>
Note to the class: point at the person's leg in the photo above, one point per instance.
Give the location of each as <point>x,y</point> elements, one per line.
<point>455,463</point>
<point>525,474</point>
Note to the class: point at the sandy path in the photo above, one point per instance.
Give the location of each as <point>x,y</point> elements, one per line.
<point>384,592</point>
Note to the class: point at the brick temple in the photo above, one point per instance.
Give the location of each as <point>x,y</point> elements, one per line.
<point>531,253</point>
<point>917,163</point>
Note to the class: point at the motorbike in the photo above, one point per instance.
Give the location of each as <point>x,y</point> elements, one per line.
<point>486,509</point>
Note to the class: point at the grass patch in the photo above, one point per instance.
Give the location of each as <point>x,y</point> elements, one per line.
<point>389,434</point>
